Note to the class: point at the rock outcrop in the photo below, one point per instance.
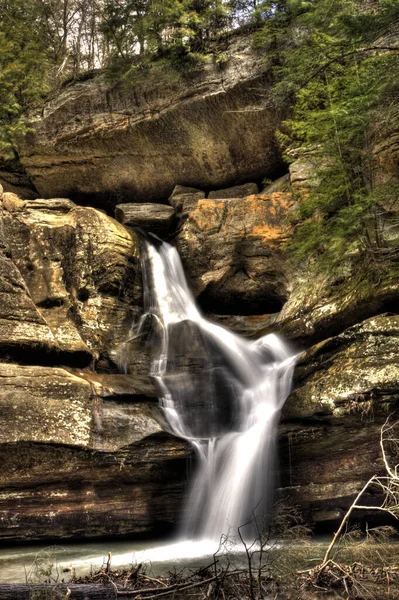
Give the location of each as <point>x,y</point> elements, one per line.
<point>345,388</point>
<point>231,249</point>
<point>81,272</point>
<point>83,453</point>
<point>347,382</point>
<point>130,142</point>
<point>79,438</point>
<point>84,456</point>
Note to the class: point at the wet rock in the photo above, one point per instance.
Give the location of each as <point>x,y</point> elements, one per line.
<point>237,191</point>
<point>197,378</point>
<point>250,326</point>
<point>154,218</point>
<point>231,250</point>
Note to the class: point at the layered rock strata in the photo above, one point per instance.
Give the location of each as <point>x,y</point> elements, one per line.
<point>83,453</point>
<point>130,142</point>
<point>345,389</point>
<point>84,450</point>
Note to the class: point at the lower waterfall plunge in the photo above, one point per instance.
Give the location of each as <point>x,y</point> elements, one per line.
<point>221,392</point>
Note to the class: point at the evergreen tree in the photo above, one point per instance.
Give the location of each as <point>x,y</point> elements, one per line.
<point>23,68</point>
<point>337,65</point>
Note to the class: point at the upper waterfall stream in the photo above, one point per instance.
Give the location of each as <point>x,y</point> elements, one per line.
<point>221,392</point>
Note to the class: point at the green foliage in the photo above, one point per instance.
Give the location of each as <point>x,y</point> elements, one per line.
<point>23,69</point>
<point>174,29</point>
<point>335,65</point>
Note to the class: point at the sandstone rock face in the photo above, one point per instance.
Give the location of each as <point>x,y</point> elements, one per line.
<point>84,451</point>
<point>84,455</point>
<point>133,142</point>
<point>345,388</point>
<point>346,384</point>
<point>231,250</point>
<point>81,271</point>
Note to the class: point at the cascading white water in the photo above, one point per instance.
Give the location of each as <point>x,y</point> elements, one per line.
<point>219,391</point>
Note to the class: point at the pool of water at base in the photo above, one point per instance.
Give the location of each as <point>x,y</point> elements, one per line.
<point>30,563</point>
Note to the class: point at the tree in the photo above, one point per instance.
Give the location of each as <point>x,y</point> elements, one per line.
<point>335,65</point>
<point>123,25</point>
<point>72,29</point>
<point>24,65</point>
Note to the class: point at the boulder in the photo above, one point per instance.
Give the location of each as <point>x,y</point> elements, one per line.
<point>81,270</point>
<point>154,218</point>
<point>103,143</point>
<point>237,191</point>
<point>232,252</point>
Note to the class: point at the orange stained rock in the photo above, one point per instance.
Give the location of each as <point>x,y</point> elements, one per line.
<point>258,215</point>
<point>208,214</point>
<point>270,212</point>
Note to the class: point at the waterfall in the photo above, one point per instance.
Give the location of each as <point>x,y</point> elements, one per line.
<point>221,392</point>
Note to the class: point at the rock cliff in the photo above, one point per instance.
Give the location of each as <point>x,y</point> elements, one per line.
<point>129,142</point>
<point>84,451</point>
